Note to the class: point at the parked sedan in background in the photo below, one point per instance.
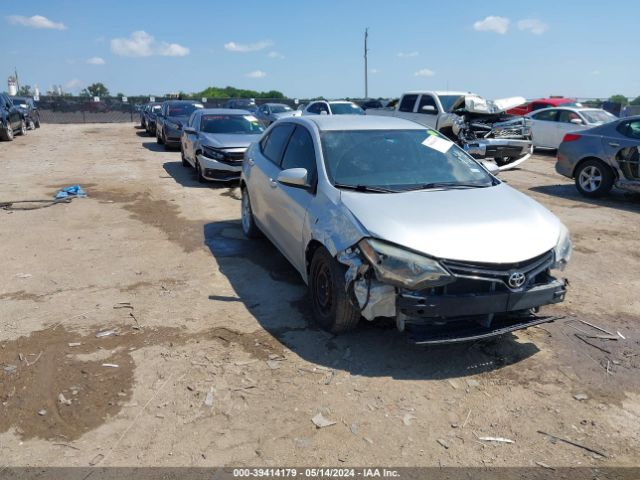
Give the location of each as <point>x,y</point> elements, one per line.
<point>602,157</point>
<point>214,142</point>
<point>170,119</point>
<point>549,126</point>
<point>334,107</point>
<point>248,104</point>
<point>29,110</point>
<point>383,217</point>
<point>268,113</point>
<point>150,112</point>
<point>12,120</point>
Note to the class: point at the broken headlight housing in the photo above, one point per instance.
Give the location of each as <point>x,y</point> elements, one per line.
<point>403,268</point>
<point>562,250</point>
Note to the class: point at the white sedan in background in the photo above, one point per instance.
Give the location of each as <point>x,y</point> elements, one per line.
<point>332,107</point>
<point>550,125</point>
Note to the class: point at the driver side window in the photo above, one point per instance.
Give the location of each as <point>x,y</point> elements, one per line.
<point>427,101</point>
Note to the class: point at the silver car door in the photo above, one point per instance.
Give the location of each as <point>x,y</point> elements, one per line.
<point>263,174</point>
<point>543,126</point>
<point>290,203</point>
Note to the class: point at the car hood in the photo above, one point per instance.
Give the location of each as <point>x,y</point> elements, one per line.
<point>478,104</point>
<point>226,140</point>
<point>484,225</point>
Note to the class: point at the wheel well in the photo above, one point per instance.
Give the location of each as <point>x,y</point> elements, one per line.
<point>311,249</point>
<point>606,165</point>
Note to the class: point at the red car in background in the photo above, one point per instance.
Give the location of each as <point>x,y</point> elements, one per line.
<point>541,103</point>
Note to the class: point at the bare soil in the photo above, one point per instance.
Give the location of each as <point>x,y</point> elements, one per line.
<point>217,360</point>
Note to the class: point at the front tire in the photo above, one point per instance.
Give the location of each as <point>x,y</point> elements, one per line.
<point>184,159</point>
<point>23,128</point>
<point>6,134</point>
<point>332,305</point>
<point>249,227</point>
<point>594,179</point>
<point>159,140</point>
<point>199,175</point>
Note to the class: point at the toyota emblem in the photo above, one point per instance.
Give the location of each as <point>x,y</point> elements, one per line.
<point>516,279</point>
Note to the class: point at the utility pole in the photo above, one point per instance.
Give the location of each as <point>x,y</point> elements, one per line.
<point>366,69</point>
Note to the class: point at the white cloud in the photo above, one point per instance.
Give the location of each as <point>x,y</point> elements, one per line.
<point>141,44</point>
<point>247,47</point>
<point>96,61</point>
<point>408,54</point>
<point>73,84</point>
<point>533,25</point>
<point>424,72</point>
<point>274,54</point>
<point>374,71</point>
<point>37,21</point>
<point>256,74</point>
<point>595,72</point>
<point>492,24</point>
<point>173,50</point>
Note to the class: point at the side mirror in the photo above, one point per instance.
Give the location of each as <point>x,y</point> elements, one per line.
<point>294,177</point>
<point>428,109</point>
<point>189,131</point>
<point>323,112</point>
<point>491,166</point>
<point>576,121</point>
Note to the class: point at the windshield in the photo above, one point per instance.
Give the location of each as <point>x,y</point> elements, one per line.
<point>231,124</point>
<point>182,110</point>
<point>398,159</point>
<point>598,116</point>
<point>279,108</point>
<point>346,109</point>
<point>448,101</point>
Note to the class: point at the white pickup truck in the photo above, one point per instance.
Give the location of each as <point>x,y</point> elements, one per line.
<point>478,125</point>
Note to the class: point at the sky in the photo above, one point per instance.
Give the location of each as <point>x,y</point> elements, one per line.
<point>309,48</point>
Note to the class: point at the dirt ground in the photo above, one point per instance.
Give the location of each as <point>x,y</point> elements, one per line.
<point>208,355</point>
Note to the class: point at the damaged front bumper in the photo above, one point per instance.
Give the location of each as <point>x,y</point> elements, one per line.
<point>477,303</point>
<point>517,151</point>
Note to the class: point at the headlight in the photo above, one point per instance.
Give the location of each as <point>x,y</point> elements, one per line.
<point>402,268</point>
<point>213,153</point>
<point>562,251</point>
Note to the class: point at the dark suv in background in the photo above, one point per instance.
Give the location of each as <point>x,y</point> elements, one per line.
<point>29,110</point>
<point>12,121</point>
<point>248,104</point>
<point>170,120</point>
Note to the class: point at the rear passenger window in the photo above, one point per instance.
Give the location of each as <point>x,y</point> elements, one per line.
<point>300,153</point>
<point>275,143</point>
<point>547,115</point>
<point>407,103</point>
<point>630,129</point>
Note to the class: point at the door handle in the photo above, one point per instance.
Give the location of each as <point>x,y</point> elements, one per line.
<point>611,144</point>
<point>273,183</point>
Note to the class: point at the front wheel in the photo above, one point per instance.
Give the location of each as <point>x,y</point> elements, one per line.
<point>184,159</point>
<point>249,227</point>
<point>159,140</point>
<point>199,175</point>
<point>23,128</point>
<point>333,306</point>
<point>594,179</point>
<point>6,133</point>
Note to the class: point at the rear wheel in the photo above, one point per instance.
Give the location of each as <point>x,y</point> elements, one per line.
<point>333,306</point>
<point>594,178</point>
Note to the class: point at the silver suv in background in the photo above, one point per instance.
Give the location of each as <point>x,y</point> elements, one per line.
<point>214,141</point>
<point>384,218</point>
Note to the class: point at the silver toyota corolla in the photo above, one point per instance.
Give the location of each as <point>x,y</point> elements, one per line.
<point>385,218</point>
<point>214,142</point>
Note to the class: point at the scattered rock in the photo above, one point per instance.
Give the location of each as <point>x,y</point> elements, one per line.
<point>407,419</point>
<point>110,365</point>
<point>581,397</point>
<point>74,344</point>
<point>63,400</point>
<point>320,421</point>
<point>208,401</point>
<point>105,333</point>
<point>11,368</point>
<point>274,364</point>
<point>443,443</point>
<point>42,412</point>
<point>354,428</point>
<point>473,383</point>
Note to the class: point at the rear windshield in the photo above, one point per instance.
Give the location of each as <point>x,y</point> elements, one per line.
<point>346,109</point>
<point>398,159</point>
<point>183,110</point>
<point>231,124</point>
<point>280,108</point>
